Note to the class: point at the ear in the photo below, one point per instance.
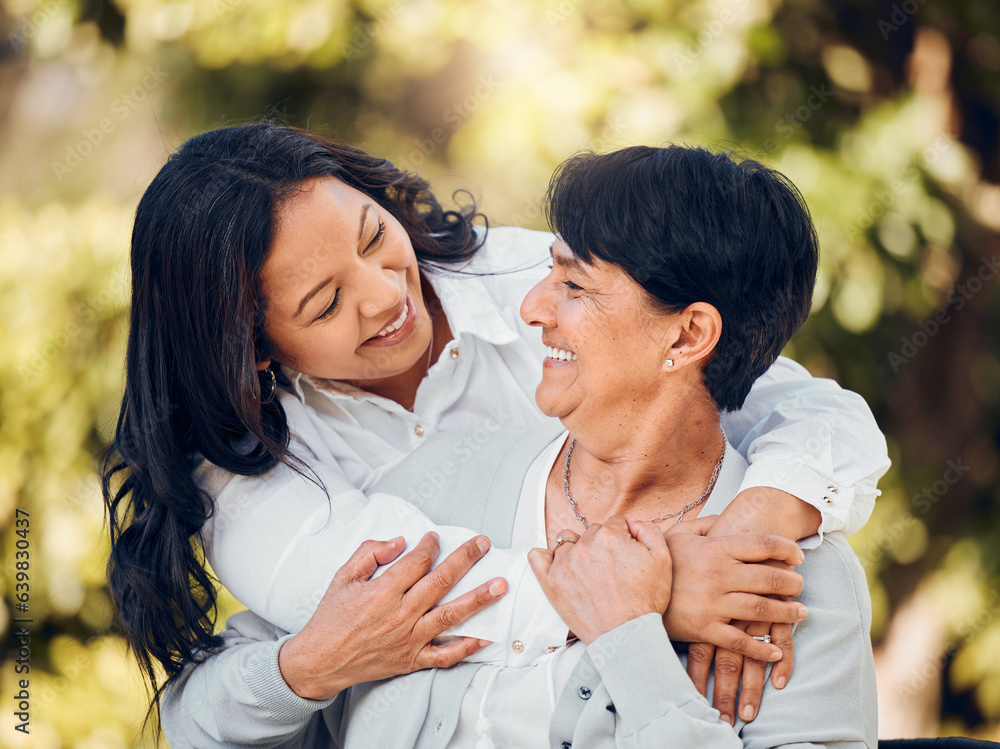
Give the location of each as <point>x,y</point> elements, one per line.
<point>694,335</point>
<point>261,366</point>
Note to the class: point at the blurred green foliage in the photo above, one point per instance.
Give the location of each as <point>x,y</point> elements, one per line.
<point>885,114</point>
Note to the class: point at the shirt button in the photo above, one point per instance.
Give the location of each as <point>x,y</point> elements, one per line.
<point>518,646</point>
<point>566,745</point>
<point>584,693</point>
<point>551,649</point>
<point>828,500</point>
<point>418,430</point>
<point>833,489</point>
<point>455,353</point>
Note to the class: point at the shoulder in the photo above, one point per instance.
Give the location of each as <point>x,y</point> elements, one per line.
<point>510,262</point>
<point>510,248</point>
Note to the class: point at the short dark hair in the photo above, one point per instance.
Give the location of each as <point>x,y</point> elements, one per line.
<point>689,225</point>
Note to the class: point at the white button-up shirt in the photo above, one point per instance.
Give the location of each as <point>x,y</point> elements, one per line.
<point>276,540</point>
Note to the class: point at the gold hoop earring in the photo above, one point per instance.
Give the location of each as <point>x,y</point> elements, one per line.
<point>268,386</point>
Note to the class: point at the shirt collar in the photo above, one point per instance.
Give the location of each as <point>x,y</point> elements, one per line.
<point>470,307</point>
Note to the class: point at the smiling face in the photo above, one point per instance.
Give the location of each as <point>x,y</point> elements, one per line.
<point>343,288</point>
<point>606,345</point>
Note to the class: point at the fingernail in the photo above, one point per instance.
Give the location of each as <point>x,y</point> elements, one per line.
<point>747,712</point>
<point>782,680</point>
<point>484,643</point>
<point>775,655</point>
<point>802,612</point>
<point>483,543</point>
<point>727,719</point>
<point>496,588</point>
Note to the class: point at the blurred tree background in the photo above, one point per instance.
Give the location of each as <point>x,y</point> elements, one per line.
<point>884,113</point>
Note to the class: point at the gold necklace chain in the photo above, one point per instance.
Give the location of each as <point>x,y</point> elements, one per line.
<point>679,514</point>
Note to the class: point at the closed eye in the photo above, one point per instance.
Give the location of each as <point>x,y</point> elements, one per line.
<point>332,308</point>
<point>570,285</point>
<point>377,238</point>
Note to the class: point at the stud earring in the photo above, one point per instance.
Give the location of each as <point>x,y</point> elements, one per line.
<point>669,362</point>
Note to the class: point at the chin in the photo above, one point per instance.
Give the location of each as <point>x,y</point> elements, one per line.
<point>549,404</point>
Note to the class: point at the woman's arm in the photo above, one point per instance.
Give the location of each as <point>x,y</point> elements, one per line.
<point>612,586</point>
<point>651,693</point>
<point>237,696</point>
<point>265,686</point>
<point>834,682</point>
<point>276,542</point>
<point>814,441</point>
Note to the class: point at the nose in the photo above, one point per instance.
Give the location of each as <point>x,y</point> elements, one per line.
<point>383,291</point>
<point>537,308</point>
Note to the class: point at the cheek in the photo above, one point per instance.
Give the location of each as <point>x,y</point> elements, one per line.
<point>591,329</point>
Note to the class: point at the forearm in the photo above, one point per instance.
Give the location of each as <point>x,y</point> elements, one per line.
<point>652,695</point>
<point>813,439</point>
<point>767,510</point>
<point>284,578</point>
<point>237,696</point>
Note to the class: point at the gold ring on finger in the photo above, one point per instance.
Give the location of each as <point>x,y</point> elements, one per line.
<point>560,541</point>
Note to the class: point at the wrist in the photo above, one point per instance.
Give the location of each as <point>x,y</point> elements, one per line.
<point>764,509</point>
<point>296,664</point>
<point>593,631</point>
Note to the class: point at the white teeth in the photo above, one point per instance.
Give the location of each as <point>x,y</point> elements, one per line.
<point>560,354</point>
<point>394,325</point>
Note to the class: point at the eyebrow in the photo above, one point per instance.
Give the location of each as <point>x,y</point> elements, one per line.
<point>305,300</point>
<point>323,284</point>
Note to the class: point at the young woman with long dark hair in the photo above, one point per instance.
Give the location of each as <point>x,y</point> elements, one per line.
<point>303,315</point>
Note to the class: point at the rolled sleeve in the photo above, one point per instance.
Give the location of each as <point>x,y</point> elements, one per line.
<point>813,439</point>
<point>639,653</point>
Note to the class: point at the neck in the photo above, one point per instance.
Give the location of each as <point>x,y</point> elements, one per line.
<point>653,469</point>
<point>402,388</point>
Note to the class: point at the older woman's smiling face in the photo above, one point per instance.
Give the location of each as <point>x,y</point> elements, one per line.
<point>606,345</point>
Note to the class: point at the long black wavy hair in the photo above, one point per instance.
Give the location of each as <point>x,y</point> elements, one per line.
<point>203,230</point>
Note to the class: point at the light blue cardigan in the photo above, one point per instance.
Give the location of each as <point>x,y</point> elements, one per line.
<point>629,690</point>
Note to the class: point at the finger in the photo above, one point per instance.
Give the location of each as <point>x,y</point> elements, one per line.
<point>758,547</point>
<point>433,586</point>
<point>754,608</point>
<point>728,667</point>
<point>728,637</point>
<point>754,673</point>
<point>781,672</point>
<point>416,563</point>
<point>443,656</point>
<point>565,536</point>
<point>649,536</point>
<point>540,561</point>
<point>617,524</point>
<point>700,655</point>
<point>453,613</point>
<point>766,580</point>
<point>369,556</point>
<point>699,526</point>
